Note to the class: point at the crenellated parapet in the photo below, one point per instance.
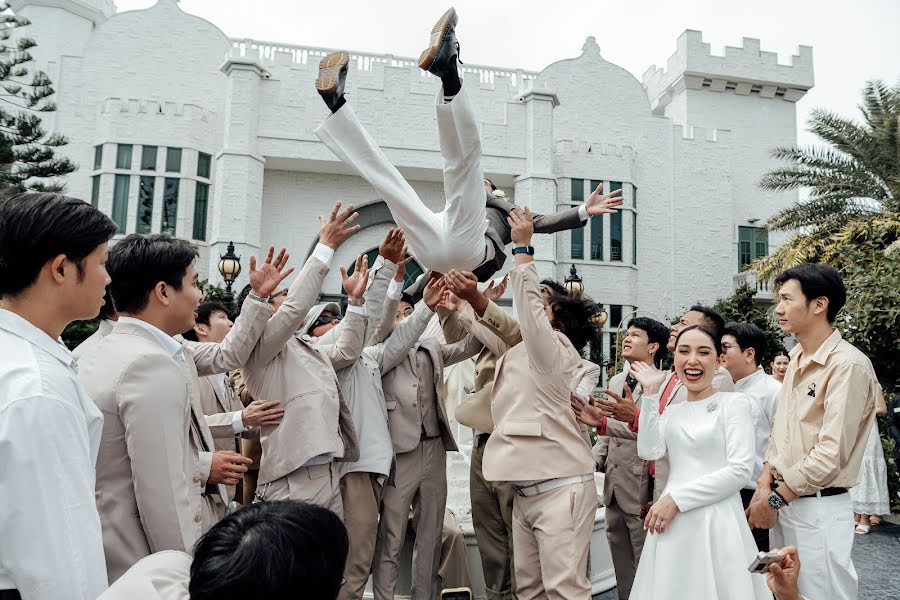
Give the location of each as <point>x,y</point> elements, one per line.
<point>743,70</point>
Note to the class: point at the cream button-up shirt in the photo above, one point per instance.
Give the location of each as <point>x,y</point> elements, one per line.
<point>825,409</point>
<point>763,392</point>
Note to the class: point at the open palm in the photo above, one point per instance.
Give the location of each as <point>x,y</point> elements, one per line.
<point>265,278</point>
<point>355,285</point>
<point>603,204</point>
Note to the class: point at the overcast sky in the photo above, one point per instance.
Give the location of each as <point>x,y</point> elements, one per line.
<point>852,41</point>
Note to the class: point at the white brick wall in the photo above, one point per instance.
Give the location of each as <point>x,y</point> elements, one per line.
<point>154,77</point>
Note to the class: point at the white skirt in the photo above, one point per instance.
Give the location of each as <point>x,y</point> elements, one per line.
<point>870,496</point>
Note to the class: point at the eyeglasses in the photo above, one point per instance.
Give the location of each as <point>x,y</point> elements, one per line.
<point>727,347</point>
<point>405,312</point>
<point>277,294</point>
<point>328,319</point>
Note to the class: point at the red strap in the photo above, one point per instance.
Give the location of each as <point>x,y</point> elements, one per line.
<point>663,402</point>
<point>602,429</point>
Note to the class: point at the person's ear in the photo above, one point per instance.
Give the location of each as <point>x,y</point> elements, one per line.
<point>820,305</point>
<point>162,293</point>
<point>58,268</point>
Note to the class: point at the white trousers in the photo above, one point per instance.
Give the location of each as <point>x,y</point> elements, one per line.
<point>822,531</point>
<point>453,238</point>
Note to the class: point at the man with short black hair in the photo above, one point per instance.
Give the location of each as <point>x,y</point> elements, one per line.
<point>278,550</point>
<point>226,417</point>
<point>743,347</point>
<point>157,469</point>
<point>627,486</point>
<point>825,411</point>
<point>52,272</point>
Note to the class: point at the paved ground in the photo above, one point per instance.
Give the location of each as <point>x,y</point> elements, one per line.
<point>877,560</point>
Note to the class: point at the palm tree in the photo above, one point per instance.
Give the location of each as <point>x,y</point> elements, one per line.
<point>853,182</point>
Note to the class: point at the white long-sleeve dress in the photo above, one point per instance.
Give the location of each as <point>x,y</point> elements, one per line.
<point>706,549</point>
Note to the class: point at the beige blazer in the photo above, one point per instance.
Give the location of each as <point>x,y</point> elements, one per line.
<point>91,342</point>
<point>535,433</point>
<point>288,366</point>
<point>401,386</point>
<point>475,410</point>
<point>156,449</point>
<point>162,576</point>
<point>627,475</point>
<point>498,331</point>
<point>219,411</point>
<point>721,381</point>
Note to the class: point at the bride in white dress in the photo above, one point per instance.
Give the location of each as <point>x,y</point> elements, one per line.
<point>700,544</point>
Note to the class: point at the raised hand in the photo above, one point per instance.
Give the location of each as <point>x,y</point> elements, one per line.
<point>463,284</point>
<point>619,408</point>
<point>650,379</point>
<point>227,468</point>
<point>494,292</point>
<point>434,291</point>
<point>394,245</point>
<point>260,413</point>
<point>587,413</point>
<point>451,301</point>
<point>603,204</point>
<point>521,226</point>
<point>265,278</point>
<point>337,228</point>
<point>355,285</point>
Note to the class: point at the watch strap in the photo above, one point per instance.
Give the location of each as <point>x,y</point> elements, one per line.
<point>523,250</point>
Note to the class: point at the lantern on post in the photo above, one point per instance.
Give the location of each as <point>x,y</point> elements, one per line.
<point>573,283</point>
<point>229,268</point>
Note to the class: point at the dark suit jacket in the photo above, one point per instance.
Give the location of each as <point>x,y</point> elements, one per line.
<point>498,230</point>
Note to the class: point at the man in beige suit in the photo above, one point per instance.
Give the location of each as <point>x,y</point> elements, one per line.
<point>492,501</point>
<point>627,486</point>
<point>421,434</point>
<point>298,456</point>
<point>536,442</point>
<point>673,391</point>
<point>226,417</point>
<point>157,470</point>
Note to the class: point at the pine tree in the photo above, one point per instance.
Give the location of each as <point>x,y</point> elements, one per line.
<point>28,159</point>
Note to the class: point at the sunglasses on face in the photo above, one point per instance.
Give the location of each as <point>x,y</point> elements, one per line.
<point>327,319</point>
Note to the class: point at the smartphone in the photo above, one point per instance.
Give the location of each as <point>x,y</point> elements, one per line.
<point>762,561</point>
<point>456,594</point>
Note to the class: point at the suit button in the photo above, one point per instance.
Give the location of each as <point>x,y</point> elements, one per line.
<point>415,385</point>
<point>197,518</point>
<point>196,480</point>
<point>415,404</point>
<point>618,443</point>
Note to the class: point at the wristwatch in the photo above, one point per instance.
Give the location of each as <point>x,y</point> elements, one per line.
<point>529,250</point>
<point>776,500</point>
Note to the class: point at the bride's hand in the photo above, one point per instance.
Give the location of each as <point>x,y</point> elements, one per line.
<point>650,379</point>
<point>661,514</point>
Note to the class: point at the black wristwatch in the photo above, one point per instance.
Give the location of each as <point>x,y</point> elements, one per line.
<point>776,500</point>
<point>529,250</point>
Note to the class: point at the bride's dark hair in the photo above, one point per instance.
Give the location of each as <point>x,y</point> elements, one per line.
<point>714,335</point>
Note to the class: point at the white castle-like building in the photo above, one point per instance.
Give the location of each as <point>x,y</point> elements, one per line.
<point>178,128</point>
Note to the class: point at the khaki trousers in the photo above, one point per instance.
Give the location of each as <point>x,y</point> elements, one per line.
<point>626,535</point>
<point>492,508</point>
<point>317,484</point>
<point>420,482</point>
<point>454,568</point>
<point>361,496</point>
<point>251,477</point>
<point>551,538</point>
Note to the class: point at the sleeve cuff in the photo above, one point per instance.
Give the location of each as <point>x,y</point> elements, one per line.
<point>237,422</point>
<point>602,429</point>
<point>583,213</point>
<point>633,426</point>
<point>324,253</point>
<point>204,465</point>
<point>395,290</point>
<point>360,310</point>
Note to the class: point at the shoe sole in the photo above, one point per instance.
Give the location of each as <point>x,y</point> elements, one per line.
<point>426,59</point>
<point>329,71</point>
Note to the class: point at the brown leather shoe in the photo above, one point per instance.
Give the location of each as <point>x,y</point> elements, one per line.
<point>332,76</point>
<point>443,49</point>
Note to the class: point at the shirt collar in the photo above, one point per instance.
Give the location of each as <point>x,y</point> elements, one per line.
<point>168,343</point>
<point>820,355</point>
<point>19,327</point>
<point>749,380</point>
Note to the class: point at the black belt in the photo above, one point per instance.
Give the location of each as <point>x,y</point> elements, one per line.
<point>832,491</point>
<point>481,439</point>
<point>10,595</point>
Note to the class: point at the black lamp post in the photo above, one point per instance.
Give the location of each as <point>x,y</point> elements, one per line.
<point>229,268</point>
<point>573,283</point>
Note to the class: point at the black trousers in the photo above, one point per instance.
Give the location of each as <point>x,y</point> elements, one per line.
<point>760,536</point>
<point>10,595</point>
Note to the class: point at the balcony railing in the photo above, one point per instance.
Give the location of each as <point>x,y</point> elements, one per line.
<point>270,52</point>
<point>763,288</point>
